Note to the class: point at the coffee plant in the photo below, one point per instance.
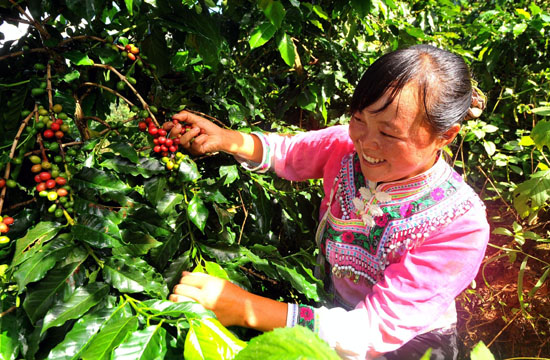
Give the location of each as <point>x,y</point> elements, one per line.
<point>101,209</point>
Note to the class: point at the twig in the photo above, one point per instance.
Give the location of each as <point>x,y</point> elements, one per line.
<point>38,151</point>
<point>504,328</point>
<point>35,23</point>
<point>252,272</point>
<point>8,311</point>
<point>123,78</point>
<point>500,196</point>
<point>95,118</point>
<point>80,37</point>
<point>208,117</point>
<point>49,88</point>
<point>19,53</point>
<point>114,92</point>
<point>15,206</point>
<point>12,153</point>
<point>245,217</point>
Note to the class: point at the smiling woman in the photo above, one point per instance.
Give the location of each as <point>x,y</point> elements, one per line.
<point>400,233</point>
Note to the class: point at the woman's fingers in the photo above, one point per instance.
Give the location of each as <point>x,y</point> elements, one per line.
<point>185,139</point>
<point>184,290</point>
<point>180,298</point>
<point>185,116</point>
<point>196,280</point>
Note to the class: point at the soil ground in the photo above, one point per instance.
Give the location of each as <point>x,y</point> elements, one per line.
<point>490,311</point>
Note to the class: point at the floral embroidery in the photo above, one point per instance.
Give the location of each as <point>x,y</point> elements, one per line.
<point>348,237</point>
<point>438,194</point>
<point>306,317</point>
<point>457,176</point>
<point>405,210</point>
<point>394,223</point>
<point>381,220</point>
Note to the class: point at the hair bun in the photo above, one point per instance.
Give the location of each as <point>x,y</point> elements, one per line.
<point>479,101</point>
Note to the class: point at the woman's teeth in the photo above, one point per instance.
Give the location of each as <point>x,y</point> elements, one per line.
<point>372,160</point>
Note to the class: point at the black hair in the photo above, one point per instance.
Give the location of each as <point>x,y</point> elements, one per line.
<point>443,78</point>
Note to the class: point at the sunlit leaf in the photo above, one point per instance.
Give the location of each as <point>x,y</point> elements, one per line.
<point>541,134</point>
<point>287,343</point>
<point>286,49</point>
<point>208,339</point>
<point>274,11</point>
<point>197,212</point>
<point>78,58</point>
<point>146,344</point>
<point>261,34</point>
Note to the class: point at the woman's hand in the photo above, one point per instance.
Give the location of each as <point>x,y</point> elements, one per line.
<point>203,137</point>
<point>231,304</point>
<point>207,137</point>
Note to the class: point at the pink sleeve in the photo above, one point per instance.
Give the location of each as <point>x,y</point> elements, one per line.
<point>309,155</point>
<point>414,293</point>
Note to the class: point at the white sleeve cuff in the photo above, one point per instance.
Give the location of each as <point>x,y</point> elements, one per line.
<point>267,152</point>
<point>292,315</point>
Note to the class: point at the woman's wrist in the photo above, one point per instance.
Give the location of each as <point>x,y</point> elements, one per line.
<point>246,146</point>
<point>263,314</point>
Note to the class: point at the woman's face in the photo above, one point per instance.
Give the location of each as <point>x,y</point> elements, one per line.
<point>396,143</point>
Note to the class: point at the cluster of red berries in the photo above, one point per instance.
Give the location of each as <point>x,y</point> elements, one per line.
<point>2,183</point>
<point>45,182</point>
<point>131,51</point>
<point>166,138</point>
<point>54,130</point>
<point>5,223</point>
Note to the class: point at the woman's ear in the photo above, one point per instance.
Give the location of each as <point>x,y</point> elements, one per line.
<point>449,135</point>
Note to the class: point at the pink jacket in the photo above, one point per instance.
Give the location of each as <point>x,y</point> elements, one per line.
<point>416,293</point>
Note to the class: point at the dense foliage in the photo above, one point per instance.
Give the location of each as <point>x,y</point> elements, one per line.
<point>90,257</point>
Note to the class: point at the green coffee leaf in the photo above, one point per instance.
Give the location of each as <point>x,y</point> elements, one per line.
<point>146,344</point>
<point>187,171</point>
<point>9,343</point>
<point>33,241</point>
<point>541,134</point>
<point>481,352</point>
<point>145,167</point>
<point>286,49</point>
<point>101,181</point>
<point>261,34</point>
<point>80,302</point>
<point>197,212</point>
<point>287,343</point>
<point>188,309</point>
<point>36,267</point>
<point>134,275</point>
<point>274,11</point>
<point>126,150</point>
<point>40,296</point>
<point>97,231</point>
<point>207,339</point>
<point>83,332</point>
<point>109,337</point>
<point>78,58</point>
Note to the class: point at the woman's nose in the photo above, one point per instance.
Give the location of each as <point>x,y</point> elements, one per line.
<point>369,142</point>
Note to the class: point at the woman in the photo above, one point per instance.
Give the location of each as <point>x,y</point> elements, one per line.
<point>401,234</point>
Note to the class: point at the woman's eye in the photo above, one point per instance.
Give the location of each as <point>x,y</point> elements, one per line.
<point>388,135</point>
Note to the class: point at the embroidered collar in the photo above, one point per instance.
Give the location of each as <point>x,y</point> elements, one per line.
<point>363,197</point>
